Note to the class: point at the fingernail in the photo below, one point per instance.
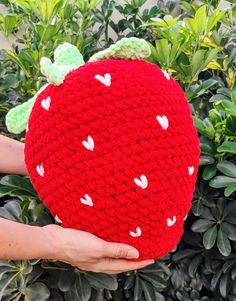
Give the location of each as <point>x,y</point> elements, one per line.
<point>152,261</point>
<point>132,254</point>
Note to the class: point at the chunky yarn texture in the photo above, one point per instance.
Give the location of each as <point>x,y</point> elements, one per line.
<point>113,151</point>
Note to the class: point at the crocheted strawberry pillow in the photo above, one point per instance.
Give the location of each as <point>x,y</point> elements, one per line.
<point>111,147</point>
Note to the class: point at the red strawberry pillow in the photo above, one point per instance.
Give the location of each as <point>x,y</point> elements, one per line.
<point>111,147</point>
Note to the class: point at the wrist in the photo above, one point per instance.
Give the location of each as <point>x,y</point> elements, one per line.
<point>12,159</point>
<point>57,241</point>
<point>52,241</point>
<point>21,159</point>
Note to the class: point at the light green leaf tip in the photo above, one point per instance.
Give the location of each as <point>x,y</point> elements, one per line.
<point>127,48</point>
<point>67,57</point>
<point>17,118</point>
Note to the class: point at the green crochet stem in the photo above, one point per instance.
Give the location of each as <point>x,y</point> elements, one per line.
<point>67,58</point>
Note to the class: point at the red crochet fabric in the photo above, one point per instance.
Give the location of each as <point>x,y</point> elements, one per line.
<point>114,151</point>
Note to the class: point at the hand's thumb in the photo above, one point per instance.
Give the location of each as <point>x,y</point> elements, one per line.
<point>118,250</point>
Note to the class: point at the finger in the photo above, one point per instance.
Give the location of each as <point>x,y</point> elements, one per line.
<point>117,266</point>
<point>130,268</point>
<point>118,250</point>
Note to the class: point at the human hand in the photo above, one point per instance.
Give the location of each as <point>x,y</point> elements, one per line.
<point>88,252</point>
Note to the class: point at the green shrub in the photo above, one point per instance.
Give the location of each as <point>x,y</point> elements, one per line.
<point>198,48</point>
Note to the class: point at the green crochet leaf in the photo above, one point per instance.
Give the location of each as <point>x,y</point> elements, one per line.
<point>126,48</point>
<point>67,57</point>
<point>68,54</point>
<point>55,73</point>
<point>17,118</point>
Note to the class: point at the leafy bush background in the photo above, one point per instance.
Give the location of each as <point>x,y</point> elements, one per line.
<point>197,46</point>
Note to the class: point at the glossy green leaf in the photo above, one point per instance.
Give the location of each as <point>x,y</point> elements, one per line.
<point>137,289</point>
<point>101,281</point>
<point>229,107</point>
<point>230,125</point>
<point>148,291</point>
<point>201,225</point>
<point>201,59</point>
<point>66,281</point>
<point>163,51</point>
<point>83,288</point>
<point>214,18</point>
<point>233,273</point>
<point>194,264</point>
<point>209,237</point>
<point>201,89</point>
<point>207,213</point>
<point>200,18</point>
<point>209,172</point>
<point>192,25</point>
<point>22,64</point>
<point>224,286</point>
<point>230,189</point>
<point>37,291</point>
<point>227,168</point>
<point>9,23</point>
<point>229,230</point>
<point>18,183</point>
<point>197,207</point>
<point>229,209</point>
<point>167,21</point>
<point>11,211</point>
<point>223,243</point>
<point>221,181</point>
<point>205,127</point>
<point>155,280</point>
<point>129,282</point>
<point>207,147</point>
<point>228,265</point>
<point>184,254</point>
<point>227,147</point>
<point>197,61</point>
<point>215,279</point>
<point>233,96</point>
<point>205,160</point>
